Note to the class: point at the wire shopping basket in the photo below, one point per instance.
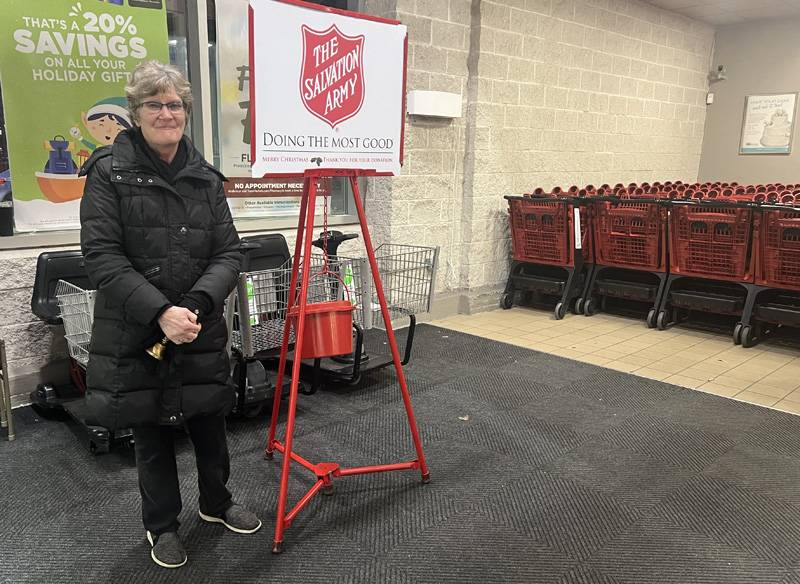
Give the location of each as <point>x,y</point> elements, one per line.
<point>76,306</point>
<point>407,273</point>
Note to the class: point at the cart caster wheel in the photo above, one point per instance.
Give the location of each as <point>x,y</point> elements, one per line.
<point>661,321</point>
<point>651,318</point>
<point>737,334</point>
<point>506,300</point>
<point>747,337</point>
<point>308,389</point>
<point>268,455</point>
<point>355,381</point>
<point>579,306</point>
<point>589,307</point>
<point>560,311</point>
<point>327,490</point>
<point>426,478</point>
<point>277,547</point>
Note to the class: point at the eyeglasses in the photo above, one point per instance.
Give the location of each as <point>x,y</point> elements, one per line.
<point>155,107</point>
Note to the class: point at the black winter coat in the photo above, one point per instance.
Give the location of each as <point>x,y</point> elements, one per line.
<point>146,244</point>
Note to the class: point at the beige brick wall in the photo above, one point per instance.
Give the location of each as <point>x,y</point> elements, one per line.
<point>35,351</point>
<point>559,92</point>
<point>577,92</point>
<point>423,206</point>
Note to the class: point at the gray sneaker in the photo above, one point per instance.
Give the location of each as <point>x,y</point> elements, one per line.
<point>167,550</point>
<point>237,519</point>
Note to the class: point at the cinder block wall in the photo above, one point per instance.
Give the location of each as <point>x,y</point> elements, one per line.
<point>35,351</point>
<point>555,92</point>
<point>424,205</point>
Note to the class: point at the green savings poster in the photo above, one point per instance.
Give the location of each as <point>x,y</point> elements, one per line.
<point>63,69</point>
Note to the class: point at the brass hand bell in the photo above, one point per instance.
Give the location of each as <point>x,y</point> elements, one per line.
<point>157,350</point>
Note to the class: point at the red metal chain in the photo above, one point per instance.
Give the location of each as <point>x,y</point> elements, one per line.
<point>324,232</point>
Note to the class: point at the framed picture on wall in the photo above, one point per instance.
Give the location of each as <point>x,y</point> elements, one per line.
<point>768,124</point>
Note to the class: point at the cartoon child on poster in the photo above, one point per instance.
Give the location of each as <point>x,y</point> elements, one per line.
<point>104,120</point>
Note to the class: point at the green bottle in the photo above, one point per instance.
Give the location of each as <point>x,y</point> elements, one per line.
<point>251,301</point>
<point>349,282</point>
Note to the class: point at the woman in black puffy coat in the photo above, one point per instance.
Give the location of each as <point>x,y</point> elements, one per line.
<point>161,249</point>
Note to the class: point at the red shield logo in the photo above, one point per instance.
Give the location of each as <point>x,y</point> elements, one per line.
<point>332,79</point>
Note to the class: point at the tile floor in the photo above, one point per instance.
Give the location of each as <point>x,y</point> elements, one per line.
<point>767,375</point>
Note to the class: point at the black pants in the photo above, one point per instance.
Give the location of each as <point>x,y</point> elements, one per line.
<point>158,471</point>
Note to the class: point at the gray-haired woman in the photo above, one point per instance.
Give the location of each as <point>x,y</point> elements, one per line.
<point>162,251</point>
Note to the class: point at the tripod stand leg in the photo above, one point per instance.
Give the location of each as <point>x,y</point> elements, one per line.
<point>390,332</point>
<point>280,521</point>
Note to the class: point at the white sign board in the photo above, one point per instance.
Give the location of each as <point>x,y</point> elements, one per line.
<point>327,89</point>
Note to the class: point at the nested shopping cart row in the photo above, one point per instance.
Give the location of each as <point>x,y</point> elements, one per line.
<point>715,247</point>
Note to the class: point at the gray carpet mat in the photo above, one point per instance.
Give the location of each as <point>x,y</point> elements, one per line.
<point>544,470</point>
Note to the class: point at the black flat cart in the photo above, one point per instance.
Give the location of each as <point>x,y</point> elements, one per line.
<point>61,295</point>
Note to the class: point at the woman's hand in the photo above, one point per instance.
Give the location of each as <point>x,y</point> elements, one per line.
<point>179,325</point>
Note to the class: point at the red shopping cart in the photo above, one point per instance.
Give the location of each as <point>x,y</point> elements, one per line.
<point>775,300</point>
<point>711,262</point>
<point>552,248</point>
<point>630,236</point>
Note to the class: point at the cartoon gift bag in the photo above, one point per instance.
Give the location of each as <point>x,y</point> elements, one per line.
<point>60,182</point>
<point>60,159</point>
